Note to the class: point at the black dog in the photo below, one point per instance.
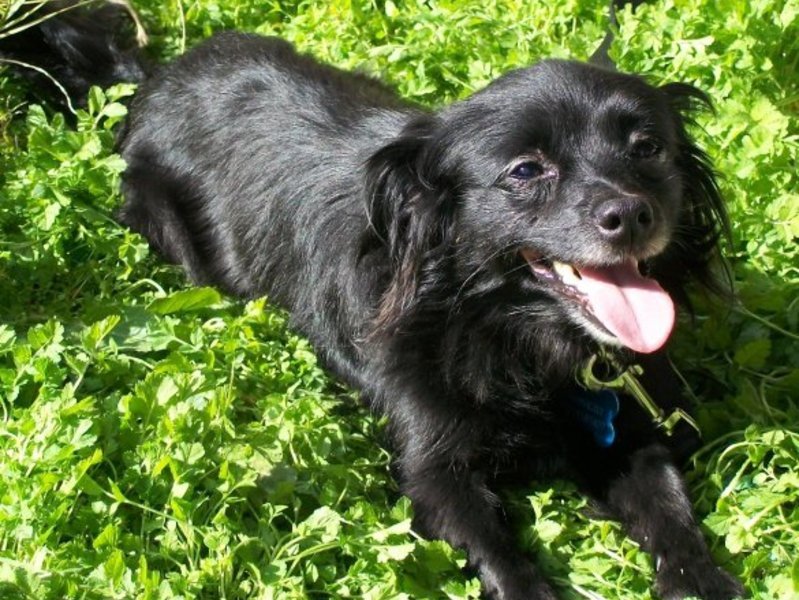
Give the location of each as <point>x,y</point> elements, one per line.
<point>458,267</point>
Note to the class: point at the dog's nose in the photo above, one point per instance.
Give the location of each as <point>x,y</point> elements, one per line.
<point>624,220</point>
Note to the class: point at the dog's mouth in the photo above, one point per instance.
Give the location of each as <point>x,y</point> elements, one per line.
<point>632,308</point>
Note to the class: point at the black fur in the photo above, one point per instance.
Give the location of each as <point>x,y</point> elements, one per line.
<point>393,235</point>
<point>76,48</point>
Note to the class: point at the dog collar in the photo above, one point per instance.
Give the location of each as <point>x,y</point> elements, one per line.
<point>597,401</point>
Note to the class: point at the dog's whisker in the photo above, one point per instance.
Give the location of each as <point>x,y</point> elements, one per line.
<point>499,251</point>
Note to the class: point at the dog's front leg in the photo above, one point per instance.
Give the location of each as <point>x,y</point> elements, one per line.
<point>453,503</point>
<point>651,501</point>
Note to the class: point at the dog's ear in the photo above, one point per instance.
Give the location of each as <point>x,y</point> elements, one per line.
<point>694,252</point>
<point>408,203</point>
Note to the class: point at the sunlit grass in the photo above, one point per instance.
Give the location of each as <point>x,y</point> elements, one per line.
<point>163,442</point>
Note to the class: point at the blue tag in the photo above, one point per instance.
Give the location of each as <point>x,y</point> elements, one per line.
<point>596,411</point>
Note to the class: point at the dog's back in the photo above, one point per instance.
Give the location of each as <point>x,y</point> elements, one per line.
<point>242,131</point>
<point>245,164</point>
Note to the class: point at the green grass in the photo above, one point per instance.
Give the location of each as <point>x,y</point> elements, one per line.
<point>162,442</point>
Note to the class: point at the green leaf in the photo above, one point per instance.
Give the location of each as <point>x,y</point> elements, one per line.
<point>185,301</point>
<point>324,522</point>
<point>115,110</point>
<point>753,354</point>
<point>7,338</point>
<point>99,331</point>
<point>116,492</point>
<point>96,100</point>
<point>109,536</point>
<point>114,566</point>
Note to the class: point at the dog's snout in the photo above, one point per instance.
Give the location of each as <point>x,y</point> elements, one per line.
<point>624,220</point>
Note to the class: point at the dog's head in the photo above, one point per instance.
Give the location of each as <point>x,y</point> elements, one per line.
<point>563,186</point>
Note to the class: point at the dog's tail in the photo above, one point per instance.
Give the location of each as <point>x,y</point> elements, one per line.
<point>65,47</point>
<point>600,56</point>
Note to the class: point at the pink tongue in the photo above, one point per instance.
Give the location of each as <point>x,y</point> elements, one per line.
<point>633,308</point>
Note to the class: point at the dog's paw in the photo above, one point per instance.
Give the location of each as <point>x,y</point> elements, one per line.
<point>522,583</point>
<point>538,590</point>
<point>542,591</point>
<point>702,579</point>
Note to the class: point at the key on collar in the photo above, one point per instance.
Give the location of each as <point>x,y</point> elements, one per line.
<point>626,380</point>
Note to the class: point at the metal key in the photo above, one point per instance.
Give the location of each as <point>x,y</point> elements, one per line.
<point>626,380</point>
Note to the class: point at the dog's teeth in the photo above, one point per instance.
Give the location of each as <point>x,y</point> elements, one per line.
<point>567,273</point>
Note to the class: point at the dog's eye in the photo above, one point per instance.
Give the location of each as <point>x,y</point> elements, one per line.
<point>645,149</point>
<point>528,169</point>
